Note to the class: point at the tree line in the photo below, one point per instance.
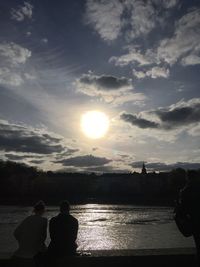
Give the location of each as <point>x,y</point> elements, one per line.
<point>22,184</point>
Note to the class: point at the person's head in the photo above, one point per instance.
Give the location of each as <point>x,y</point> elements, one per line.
<point>39,208</point>
<point>64,206</point>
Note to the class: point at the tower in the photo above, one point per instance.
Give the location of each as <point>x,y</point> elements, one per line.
<point>144,171</point>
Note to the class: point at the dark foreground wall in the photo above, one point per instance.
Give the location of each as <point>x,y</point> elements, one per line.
<point>125,258</point>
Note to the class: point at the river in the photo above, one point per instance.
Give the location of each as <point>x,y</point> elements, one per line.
<point>106,227</point>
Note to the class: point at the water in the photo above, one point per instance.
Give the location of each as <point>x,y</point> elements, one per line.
<point>106,227</point>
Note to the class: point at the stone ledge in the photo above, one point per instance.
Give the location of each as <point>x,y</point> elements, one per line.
<point>142,257</point>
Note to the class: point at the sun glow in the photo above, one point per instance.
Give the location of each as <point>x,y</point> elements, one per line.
<point>94,124</point>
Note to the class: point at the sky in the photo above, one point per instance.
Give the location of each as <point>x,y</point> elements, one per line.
<point>137,61</point>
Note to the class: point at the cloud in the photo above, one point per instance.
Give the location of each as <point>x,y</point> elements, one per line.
<point>170,3</point>
<point>105,17</point>
<point>28,33</point>
<point>9,78</point>
<point>44,40</point>
<point>67,153</point>
<point>133,56</point>
<point>155,72</point>
<point>105,82</point>
<point>36,161</point>
<point>20,138</point>
<point>106,169</point>
<point>194,131</point>
<point>84,161</point>
<point>182,47</point>
<point>14,157</point>
<point>137,121</point>
<point>130,18</point>
<point>21,156</point>
<point>143,18</point>
<point>139,74</point>
<point>166,4</point>
<point>181,114</point>
<point>190,60</point>
<point>12,56</point>
<point>22,12</point>
<point>160,166</point>
<point>185,40</point>
<point>108,88</point>
<point>137,164</point>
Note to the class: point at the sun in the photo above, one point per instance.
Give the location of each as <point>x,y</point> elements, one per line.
<point>94,124</point>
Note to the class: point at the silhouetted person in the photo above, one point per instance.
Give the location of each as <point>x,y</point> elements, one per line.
<point>190,199</point>
<point>31,234</point>
<point>63,231</point>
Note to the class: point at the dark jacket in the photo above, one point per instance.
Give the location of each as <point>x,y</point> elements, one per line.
<point>190,199</point>
<point>63,231</point>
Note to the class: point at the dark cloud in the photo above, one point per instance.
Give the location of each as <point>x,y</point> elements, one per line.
<point>53,139</point>
<point>105,82</point>
<point>181,114</point>
<point>14,157</point>
<point>137,164</point>
<point>66,153</point>
<point>160,166</point>
<point>84,161</point>
<point>140,122</point>
<point>37,161</point>
<point>24,139</point>
<point>20,157</point>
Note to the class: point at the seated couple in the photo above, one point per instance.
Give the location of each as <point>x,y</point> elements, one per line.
<point>32,232</point>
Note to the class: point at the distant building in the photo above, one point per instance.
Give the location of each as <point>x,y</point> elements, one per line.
<point>144,171</point>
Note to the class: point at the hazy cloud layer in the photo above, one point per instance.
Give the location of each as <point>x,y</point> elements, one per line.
<point>106,169</point>
<point>84,161</point>
<point>160,166</point>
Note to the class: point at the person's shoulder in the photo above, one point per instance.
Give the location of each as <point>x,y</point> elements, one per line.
<point>73,219</point>
<point>29,218</point>
<point>53,219</point>
<point>26,220</point>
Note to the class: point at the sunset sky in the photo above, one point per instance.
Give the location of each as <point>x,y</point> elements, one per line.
<point>136,61</point>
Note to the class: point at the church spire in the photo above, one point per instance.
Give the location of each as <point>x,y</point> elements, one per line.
<point>144,171</point>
